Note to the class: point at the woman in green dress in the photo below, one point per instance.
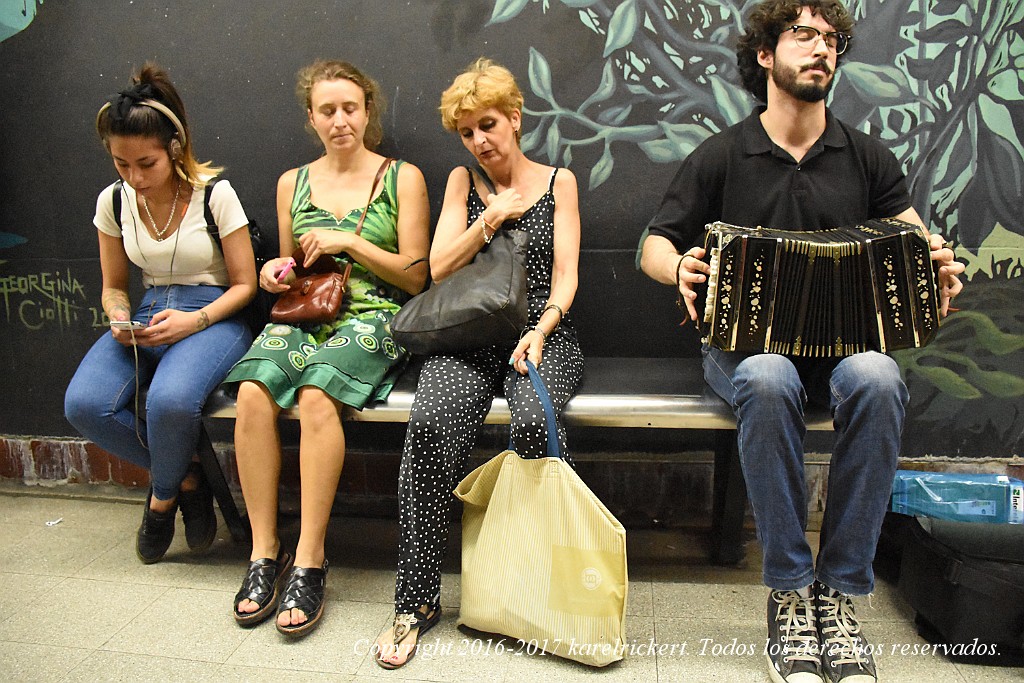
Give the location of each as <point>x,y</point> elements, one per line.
<point>352,360</point>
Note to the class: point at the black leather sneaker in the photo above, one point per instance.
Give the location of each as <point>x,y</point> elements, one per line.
<point>845,654</point>
<point>197,513</point>
<point>792,648</point>
<point>155,533</point>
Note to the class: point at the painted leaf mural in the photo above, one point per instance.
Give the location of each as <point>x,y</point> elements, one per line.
<point>940,81</point>
<point>16,15</point>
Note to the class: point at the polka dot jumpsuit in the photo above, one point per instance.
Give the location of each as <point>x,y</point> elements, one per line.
<point>452,399</point>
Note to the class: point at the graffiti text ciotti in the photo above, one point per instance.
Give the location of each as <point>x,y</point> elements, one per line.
<point>40,300</point>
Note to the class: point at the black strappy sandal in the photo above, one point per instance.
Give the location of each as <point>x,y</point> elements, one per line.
<point>262,585</point>
<point>403,626</point>
<point>304,590</point>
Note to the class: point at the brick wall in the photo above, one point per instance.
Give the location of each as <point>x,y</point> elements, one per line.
<point>652,488</point>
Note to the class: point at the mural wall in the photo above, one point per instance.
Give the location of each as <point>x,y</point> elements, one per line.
<point>618,90</point>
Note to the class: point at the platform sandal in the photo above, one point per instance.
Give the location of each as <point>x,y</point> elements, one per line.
<point>304,591</point>
<point>262,585</point>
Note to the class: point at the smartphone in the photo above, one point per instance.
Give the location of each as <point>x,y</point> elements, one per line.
<point>127,325</point>
<point>285,270</point>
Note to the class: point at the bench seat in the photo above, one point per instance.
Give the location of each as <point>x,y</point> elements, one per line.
<point>659,393</point>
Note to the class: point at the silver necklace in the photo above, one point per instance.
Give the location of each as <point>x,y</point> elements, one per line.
<point>170,217</point>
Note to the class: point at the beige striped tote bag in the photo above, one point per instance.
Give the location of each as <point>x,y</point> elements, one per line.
<point>543,560</point>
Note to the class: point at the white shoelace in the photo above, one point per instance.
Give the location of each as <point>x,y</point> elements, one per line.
<point>840,630</point>
<point>797,629</point>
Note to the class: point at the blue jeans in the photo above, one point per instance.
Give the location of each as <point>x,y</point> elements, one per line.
<point>867,399</point>
<point>100,401</point>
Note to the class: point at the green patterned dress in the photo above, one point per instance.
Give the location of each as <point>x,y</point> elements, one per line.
<point>353,359</point>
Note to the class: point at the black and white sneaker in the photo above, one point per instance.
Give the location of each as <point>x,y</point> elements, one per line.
<point>845,654</point>
<point>792,648</point>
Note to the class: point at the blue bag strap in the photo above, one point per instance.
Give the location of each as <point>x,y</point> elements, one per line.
<point>549,412</point>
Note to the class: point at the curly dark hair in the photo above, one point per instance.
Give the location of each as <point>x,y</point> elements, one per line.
<point>764,26</point>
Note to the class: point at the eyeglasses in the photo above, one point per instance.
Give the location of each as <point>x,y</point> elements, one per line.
<point>807,37</point>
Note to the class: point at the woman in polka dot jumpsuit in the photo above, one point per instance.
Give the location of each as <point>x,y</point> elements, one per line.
<point>483,106</point>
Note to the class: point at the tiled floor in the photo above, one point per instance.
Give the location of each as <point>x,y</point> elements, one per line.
<point>76,605</point>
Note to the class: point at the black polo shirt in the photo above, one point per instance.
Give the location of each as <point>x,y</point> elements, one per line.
<point>741,177</point>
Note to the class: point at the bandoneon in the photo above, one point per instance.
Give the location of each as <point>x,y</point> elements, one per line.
<point>822,293</point>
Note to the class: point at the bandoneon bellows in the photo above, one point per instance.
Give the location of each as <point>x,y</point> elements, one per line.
<point>822,293</point>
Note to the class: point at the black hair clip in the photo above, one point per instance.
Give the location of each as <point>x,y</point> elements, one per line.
<point>121,104</point>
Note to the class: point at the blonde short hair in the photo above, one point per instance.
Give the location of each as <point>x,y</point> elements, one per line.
<point>482,85</point>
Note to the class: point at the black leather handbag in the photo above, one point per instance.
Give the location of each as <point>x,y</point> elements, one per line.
<point>480,304</point>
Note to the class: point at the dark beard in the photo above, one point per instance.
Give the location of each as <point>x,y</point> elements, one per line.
<point>785,80</point>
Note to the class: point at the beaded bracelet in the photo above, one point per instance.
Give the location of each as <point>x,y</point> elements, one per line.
<point>484,227</point>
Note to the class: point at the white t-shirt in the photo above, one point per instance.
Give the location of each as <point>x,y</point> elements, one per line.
<point>189,256</point>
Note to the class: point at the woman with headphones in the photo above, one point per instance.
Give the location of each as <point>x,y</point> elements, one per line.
<point>185,334</point>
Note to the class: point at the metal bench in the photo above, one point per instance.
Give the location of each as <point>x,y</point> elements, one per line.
<point>657,393</point>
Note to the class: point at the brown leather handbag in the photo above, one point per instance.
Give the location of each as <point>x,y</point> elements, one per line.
<point>316,294</point>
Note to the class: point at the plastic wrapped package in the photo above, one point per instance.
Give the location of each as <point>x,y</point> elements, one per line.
<point>988,498</point>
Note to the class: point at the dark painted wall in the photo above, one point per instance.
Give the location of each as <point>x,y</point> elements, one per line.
<point>235,64</point>
<point>619,90</point>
